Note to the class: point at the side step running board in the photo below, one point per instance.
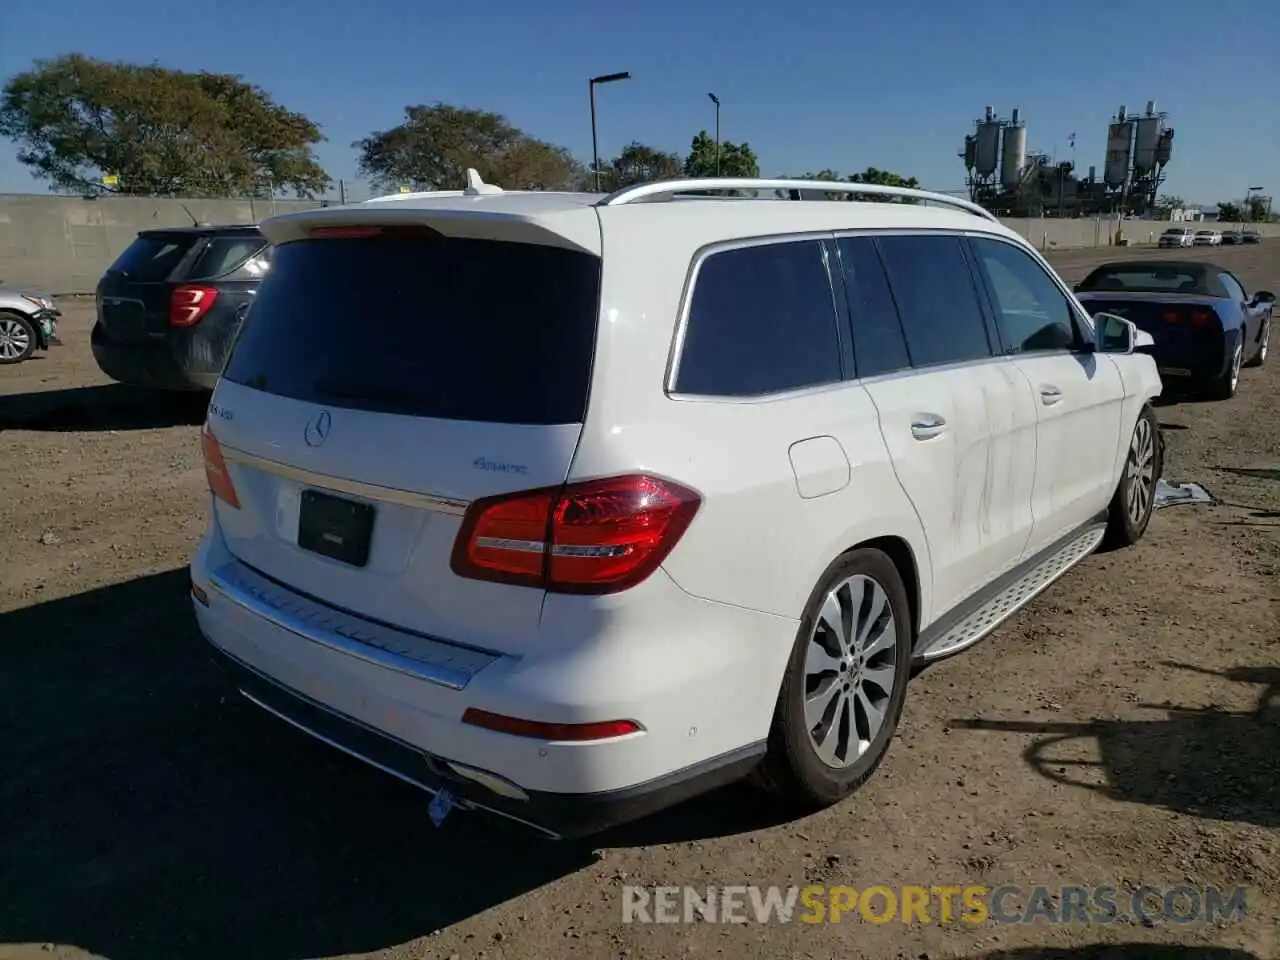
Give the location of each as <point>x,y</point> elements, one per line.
<point>1013,597</point>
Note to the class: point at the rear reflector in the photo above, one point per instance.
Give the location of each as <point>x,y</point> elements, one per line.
<point>189,303</point>
<point>600,536</point>
<point>215,469</point>
<point>576,732</point>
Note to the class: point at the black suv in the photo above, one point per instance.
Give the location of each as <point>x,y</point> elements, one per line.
<point>170,306</point>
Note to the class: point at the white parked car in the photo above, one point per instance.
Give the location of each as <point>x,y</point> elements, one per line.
<point>1207,238</point>
<point>1176,237</point>
<point>569,507</point>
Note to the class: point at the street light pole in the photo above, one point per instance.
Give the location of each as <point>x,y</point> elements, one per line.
<point>716,101</point>
<point>595,145</point>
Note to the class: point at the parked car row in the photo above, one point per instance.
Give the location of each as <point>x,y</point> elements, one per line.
<point>620,499</point>
<point>1185,237</point>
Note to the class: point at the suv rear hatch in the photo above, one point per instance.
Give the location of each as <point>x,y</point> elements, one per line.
<point>384,378</point>
<point>136,294</point>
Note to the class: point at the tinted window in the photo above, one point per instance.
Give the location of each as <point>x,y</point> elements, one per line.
<point>1033,312</point>
<point>878,342</point>
<point>1234,290</point>
<point>412,322</point>
<point>762,320</point>
<point>937,301</point>
<point>1146,278</point>
<point>152,257</point>
<point>222,255</point>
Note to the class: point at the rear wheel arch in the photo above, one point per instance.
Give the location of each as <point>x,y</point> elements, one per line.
<point>904,559</point>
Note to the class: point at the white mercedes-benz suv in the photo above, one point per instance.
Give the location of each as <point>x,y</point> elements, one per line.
<point>568,507</point>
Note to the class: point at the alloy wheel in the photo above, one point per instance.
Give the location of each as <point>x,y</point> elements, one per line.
<point>850,666</point>
<point>1140,470</point>
<point>14,339</point>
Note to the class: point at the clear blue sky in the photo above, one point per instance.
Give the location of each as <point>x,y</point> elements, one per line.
<point>844,85</point>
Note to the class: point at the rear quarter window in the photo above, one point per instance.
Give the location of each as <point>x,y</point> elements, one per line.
<point>411,322</point>
<point>223,255</point>
<point>761,320</point>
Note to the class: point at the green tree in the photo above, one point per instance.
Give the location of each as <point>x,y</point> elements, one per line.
<point>1170,201</point>
<point>736,159</point>
<point>884,178</point>
<point>1257,209</point>
<point>1230,212</point>
<point>436,144</point>
<point>639,163</point>
<point>158,131</point>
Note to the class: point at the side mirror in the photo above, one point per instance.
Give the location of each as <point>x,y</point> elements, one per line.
<point>1115,334</point>
<point>1076,288</point>
<point>1264,296</point>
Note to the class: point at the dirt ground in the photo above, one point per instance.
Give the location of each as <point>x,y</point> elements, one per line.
<point>1116,732</point>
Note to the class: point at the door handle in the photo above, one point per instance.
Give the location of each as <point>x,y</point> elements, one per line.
<point>927,426</point>
<point>1049,395</point>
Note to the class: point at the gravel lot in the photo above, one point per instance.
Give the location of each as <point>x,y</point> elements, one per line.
<point>1116,732</point>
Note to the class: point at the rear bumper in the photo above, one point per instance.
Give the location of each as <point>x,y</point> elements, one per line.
<point>157,365</point>
<point>557,815</point>
<point>705,718</point>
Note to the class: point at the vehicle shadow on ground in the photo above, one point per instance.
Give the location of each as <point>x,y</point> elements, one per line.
<point>105,407</point>
<point>1121,951</point>
<point>1252,473</point>
<point>1204,762</point>
<point>151,813</point>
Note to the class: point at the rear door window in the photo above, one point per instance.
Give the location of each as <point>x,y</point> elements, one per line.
<point>152,257</point>
<point>879,345</point>
<point>222,255</point>
<point>762,320</point>
<point>415,323</point>
<point>937,300</point>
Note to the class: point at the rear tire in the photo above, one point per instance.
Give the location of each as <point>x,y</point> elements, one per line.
<point>1264,344</point>
<point>1134,500</point>
<point>848,669</point>
<point>18,337</point>
<point>1225,386</point>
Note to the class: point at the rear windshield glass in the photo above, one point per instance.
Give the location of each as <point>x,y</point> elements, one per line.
<point>153,257</point>
<point>222,255</point>
<point>419,324</point>
<point>1150,279</point>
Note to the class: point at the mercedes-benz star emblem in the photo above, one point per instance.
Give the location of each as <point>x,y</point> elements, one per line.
<point>318,429</point>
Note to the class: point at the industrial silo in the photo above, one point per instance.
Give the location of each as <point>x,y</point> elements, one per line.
<point>1119,149</point>
<point>1013,157</point>
<point>988,148</point>
<point>1147,140</point>
<point>970,152</point>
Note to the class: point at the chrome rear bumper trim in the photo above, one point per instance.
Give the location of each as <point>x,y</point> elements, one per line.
<point>424,658</point>
<point>369,491</point>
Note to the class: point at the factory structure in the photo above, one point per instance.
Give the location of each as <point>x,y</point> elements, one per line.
<point>1008,179</point>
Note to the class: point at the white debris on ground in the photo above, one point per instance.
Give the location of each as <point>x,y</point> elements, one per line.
<point>1171,494</point>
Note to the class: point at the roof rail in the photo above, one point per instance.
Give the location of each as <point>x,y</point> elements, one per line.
<point>665,188</point>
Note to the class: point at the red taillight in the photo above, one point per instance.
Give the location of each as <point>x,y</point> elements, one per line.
<point>215,469</point>
<point>1194,316</point>
<point>600,536</point>
<point>602,730</point>
<point>189,302</point>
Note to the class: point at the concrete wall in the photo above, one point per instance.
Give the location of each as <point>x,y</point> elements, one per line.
<point>63,244</point>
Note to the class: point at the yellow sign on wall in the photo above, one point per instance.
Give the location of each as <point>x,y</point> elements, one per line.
<point>110,180</point>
